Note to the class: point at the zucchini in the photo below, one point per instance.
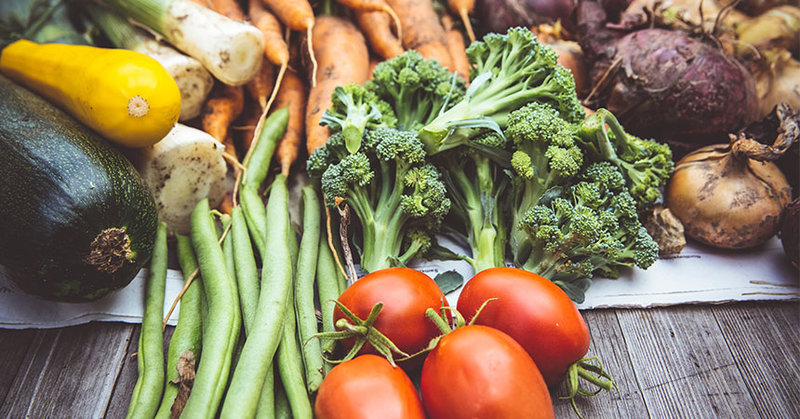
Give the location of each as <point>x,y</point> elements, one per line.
<point>77,221</point>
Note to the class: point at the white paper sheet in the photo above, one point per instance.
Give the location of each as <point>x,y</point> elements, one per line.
<point>699,275</point>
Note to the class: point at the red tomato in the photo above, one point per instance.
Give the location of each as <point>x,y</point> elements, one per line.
<point>406,294</point>
<point>532,310</point>
<point>480,372</point>
<point>367,387</point>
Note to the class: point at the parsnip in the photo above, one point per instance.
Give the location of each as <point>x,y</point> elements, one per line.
<point>181,170</point>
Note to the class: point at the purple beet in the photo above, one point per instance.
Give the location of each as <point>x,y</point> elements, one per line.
<point>664,83</point>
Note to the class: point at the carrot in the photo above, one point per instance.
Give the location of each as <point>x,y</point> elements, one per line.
<point>343,56</point>
<point>374,6</point>
<point>297,15</point>
<point>422,30</point>
<point>376,26</point>
<point>261,86</point>
<point>293,93</point>
<point>229,9</point>
<point>224,105</point>
<point>275,48</point>
<point>463,8</point>
<point>457,48</point>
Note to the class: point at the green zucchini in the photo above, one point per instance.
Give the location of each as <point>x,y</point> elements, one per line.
<point>76,219</point>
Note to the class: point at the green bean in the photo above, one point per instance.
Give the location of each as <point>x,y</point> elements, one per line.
<point>150,355</point>
<point>283,410</point>
<point>255,215</point>
<point>266,401</point>
<point>258,160</point>
<point>188,332</point>
<point>223,327</point>
<point>330,285</point>
<point>276,281</point>
<point>304,288</point>
<point>290,367</point>
<point>246,268</point>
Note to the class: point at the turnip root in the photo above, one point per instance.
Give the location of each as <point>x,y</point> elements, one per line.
<point>731,196</point>
<point>183,168</point>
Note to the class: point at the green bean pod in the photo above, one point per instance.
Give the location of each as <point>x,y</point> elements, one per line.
<point>150,355</point>
<point>290,367</point>
<point>223,325</point>
<point>257,166</point>
<point>304,289</point>
<point>330,285</point>
<point>246,268</point>
<point>266,401</point>
<point>188,332</point>
<point>276,282</point>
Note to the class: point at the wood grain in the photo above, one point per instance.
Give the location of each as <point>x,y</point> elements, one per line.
<point>736,360</point>
<point>765,342</point>
<point>70,372</point>
<point>683,364</point>
<point>14,347</point>
<point>608,344</point>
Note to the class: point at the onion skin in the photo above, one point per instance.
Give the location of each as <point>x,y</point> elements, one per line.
<point>726,201</point>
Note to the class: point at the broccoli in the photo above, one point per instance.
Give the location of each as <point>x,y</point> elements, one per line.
<point>417,89</point>
<point>646,164</point>
<point>591,228</point>
<point>354,108</point>
<point>545,157</point>
<point>477,186</point>
<point>509,70</point>
<point>396,195</point>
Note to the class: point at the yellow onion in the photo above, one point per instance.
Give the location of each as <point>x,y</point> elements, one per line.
<point>731,196</point>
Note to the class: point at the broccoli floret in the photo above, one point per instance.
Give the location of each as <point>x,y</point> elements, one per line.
<point>417,89</point>
<point>354,108</point>
<point>646,164</point>
<point>477,185</point>
<point>509,71</point>
<point>544,157</point>
<point>591,228</point>
<point>398,198</point>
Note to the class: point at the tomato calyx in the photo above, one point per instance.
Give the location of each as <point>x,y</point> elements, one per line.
<point>594,374</point>
<point>364,332</point>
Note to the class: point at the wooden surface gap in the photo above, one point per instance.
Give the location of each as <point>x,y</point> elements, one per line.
<point>118,370</point>
<point>635,370</point>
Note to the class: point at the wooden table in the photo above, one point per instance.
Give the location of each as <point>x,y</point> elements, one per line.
<point>739,360</point>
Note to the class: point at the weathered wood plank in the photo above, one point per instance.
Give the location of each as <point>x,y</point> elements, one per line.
<point>765,342</point>
<point>70,375</point>
<point>608,344</point>
<point>14,348</point>
<point>683,364</point>
<point>18,397</point>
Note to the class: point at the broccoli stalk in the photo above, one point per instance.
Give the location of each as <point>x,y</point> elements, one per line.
<point>477,186</point>
<point>510,70</point>
<point>398,198</point>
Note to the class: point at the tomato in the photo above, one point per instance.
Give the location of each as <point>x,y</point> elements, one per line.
<point>367,386</point>
<point>406,294</point>
<point>532,310</point>
<point>480,372</point>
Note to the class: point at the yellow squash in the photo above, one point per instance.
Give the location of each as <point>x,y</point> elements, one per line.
<point>127,97</point>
